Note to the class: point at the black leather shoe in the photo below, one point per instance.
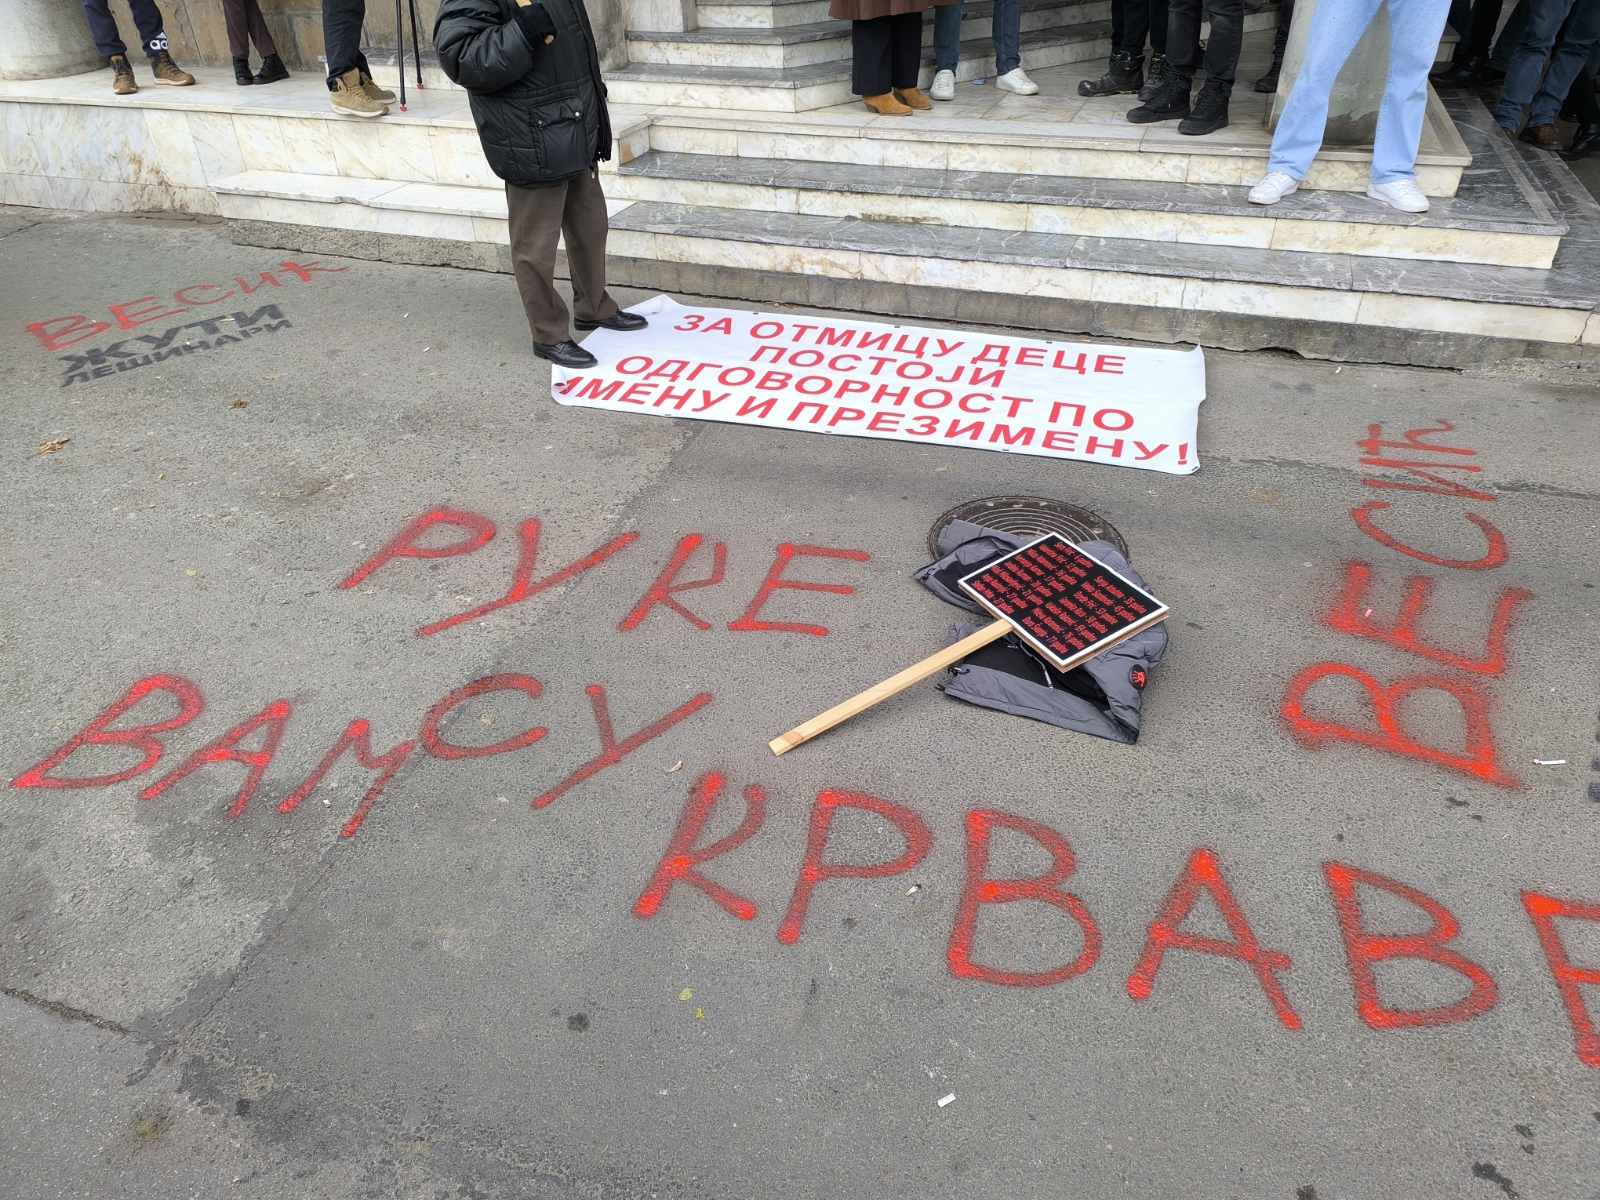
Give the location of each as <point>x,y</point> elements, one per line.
<point>566,354</point>
<point>623,322</point>
<point>1584,143</point>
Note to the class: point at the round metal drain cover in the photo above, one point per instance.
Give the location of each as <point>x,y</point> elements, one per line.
<point>1030,517</point>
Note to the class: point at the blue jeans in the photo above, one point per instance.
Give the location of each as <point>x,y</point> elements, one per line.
<point>1007,36</point>
<point>1415,29</point>
<point>1523,74</point>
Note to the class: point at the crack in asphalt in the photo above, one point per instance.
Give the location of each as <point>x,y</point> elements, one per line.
<point>66,1012</point>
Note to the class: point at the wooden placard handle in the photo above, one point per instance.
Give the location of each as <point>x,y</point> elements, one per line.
<point>891,686</point>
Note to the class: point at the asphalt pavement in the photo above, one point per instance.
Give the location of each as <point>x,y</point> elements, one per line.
<point>1368,776</point>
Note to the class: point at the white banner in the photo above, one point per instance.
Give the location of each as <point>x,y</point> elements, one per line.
<point>1125,405</point>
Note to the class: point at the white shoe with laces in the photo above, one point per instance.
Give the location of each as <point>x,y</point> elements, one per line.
<point>1273,188</point>
<point>1017,82</point>
<point>944,85</point>
<point>1401,194</point>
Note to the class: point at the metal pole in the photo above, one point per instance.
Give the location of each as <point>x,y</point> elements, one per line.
<point>416,44</point>
<point>400,61</point>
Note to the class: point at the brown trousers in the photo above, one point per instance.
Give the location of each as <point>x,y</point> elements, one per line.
<point>245,23</point>
<point>539,216</point>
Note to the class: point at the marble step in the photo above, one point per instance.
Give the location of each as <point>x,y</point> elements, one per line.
<point>826,40</point>
<point>1072,280</point>
<point>687,77</point>
<point>1039,147</point>
<point>1408,296</point>
<point>1498,229</point>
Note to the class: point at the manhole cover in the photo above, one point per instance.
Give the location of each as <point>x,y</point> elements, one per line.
<point>1031,516</point>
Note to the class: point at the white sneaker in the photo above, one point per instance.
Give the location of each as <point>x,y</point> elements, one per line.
<point>1403,194</point>
<point>1017,81</point>
<point>944,85</point>
<point>1273,188</point>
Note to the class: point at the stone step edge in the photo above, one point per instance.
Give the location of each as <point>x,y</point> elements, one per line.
<point>762,35</point>
<point>1156,197</point>
<point>1114,256</point>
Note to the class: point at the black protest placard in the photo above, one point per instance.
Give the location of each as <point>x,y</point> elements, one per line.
<point>1067,605</point>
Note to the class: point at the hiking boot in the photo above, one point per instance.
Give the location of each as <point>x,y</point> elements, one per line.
<point>272,70</point>
<point>1210,111</point>
<point>1170,103</point>
<point>1125,74</point>
<point>122,80</point>
<point>1160,72</point>
<point>167,71</point>
<point>1585,141</point>
<point>241,72</point>
<point>373,91</point>
<point>349,98</point>
<point>1460,73</point>
<point>1269,81</point>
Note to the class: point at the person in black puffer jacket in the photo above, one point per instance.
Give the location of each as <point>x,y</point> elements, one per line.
<point>533,81</point>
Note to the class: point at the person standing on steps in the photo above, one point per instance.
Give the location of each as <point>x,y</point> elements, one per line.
<point>152,35</point>
<point>1470,62</point>
<point>886,52</point>
<point>1552,50</point>
<point>245,23</point>
<point>532,76</point>
<point>349,78</point>
<point>1171,101</point>
<point>1008,73</point>
<point>1132,21</point>
<point>1280,43</point>
<point>1415,27</point>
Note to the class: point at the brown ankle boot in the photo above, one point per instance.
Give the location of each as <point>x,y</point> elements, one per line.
<point>913,97</point>
<point>886,105</point>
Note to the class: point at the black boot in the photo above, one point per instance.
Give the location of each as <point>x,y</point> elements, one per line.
<point>272,70</point>
<point>1126,74</point>
<point>1159,73</point>
<point>1585,141</point>
<point>1210,112</point>
<point>241,72</point>
<point>1269,81</point>
<point>1462,72</point>
<point>1170,103</point>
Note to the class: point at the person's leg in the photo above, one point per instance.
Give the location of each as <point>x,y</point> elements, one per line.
<point>341,35</point>
<point>1007,31</point>
<point>584,221</point>
<point>1227,35</point>
<point>1415,27</point>
<point>259,33</point>
<point>1159,17</point>
<point>869,57</point>
<point>947,37</point>
<point>1336,27</point>
<point>905,50</point>
<point>152,32</point>
<point>1571,56</point>
<point>103,28</point>
<point>1581,95</point>
<point>1183,38</point>
<point>233,16</point>
<point>535,226</point>
<point>1479,36</point>
<point>1510,34</point>
<point>1528,60</point>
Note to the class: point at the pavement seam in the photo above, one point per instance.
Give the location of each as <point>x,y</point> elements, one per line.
<point>66,1012</point>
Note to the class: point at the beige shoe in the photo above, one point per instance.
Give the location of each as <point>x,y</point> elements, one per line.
<point>167,71</point>
<point>374,92</point>
<point>122,81</point>
<point>913,98</point>
<point>886,105</point>
<point>350,98</point>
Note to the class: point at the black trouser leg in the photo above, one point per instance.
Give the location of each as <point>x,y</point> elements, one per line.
<point>1485,20</point>
<point>152,34</point>
<point>341,35</point>
<point>905,49</point>
<point>870,56</point>
<point>1183,37</point>
<point>1158,26</point>
<point>1280,40</point>
<point>103,28</point>
<point>1227,35</point>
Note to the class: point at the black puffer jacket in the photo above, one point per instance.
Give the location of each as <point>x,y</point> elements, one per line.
<point>540,108</point>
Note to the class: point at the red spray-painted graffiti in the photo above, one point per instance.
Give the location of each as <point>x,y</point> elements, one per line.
<point>478,531</point>
<point>1365,947</point>
<point>1351,614</point>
